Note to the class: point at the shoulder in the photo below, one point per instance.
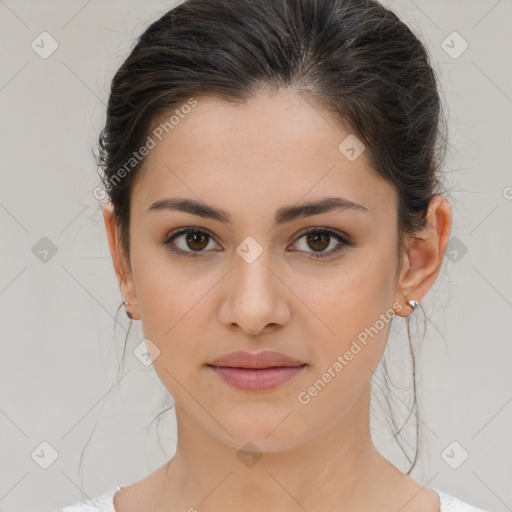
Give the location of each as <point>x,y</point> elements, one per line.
<point>452,504</point>
<point>105,503</point>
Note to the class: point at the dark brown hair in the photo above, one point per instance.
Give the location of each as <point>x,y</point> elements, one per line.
<point>355,60</point>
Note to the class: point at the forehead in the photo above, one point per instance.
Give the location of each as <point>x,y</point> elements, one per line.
<point>271,119</point>
<point>275,147</point>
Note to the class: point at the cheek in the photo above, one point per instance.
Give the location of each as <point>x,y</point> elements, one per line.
<point>168,292</point>
<point>357,310</point>
<point>352,312</point>
<point>175,313</point>
<point>349,300</point>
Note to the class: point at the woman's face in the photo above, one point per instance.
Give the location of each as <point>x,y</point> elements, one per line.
<point>253,284</point>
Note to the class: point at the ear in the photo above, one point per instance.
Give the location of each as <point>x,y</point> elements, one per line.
<point>121,261</point>
<point>424,257</point>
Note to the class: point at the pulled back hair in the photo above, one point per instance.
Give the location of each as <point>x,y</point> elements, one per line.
<point>355,60</point>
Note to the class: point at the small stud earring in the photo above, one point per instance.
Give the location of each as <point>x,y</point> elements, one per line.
<point>413,303</point>
<point>128,314</point>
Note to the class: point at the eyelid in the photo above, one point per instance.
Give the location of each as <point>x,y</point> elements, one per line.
<point>186,229</point>
<point>315,229</point>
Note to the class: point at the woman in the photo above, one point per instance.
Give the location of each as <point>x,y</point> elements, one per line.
<point>275,201</point>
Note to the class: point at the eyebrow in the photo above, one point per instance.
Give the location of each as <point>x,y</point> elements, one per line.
<point>283,215</point>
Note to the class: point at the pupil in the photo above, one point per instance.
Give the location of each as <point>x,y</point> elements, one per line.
<point>195,237</point>
<point>313,239</point>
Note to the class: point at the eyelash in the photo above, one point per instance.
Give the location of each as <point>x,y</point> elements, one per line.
<point>339,238</point>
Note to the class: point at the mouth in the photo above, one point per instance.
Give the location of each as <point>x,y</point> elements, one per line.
<point>260,371</point>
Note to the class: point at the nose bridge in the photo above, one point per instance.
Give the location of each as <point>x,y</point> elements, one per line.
<point>253,274</point>
<point>254,296</point>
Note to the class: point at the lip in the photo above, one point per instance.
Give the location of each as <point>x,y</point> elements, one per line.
<point>254,379</point>
<point>263,359</point>
<point>261,371</point>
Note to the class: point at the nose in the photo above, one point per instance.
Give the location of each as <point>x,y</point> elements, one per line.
<point>254,297</point>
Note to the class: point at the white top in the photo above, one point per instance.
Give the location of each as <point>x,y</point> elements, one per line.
<point>105,503</point>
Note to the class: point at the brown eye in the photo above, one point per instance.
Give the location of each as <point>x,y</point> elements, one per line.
<point>319,240</point>
<point>196,240</point>
<point>188,242</point>
<point>193,242</point>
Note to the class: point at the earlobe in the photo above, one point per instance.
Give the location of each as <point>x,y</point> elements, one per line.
<point>121,266</point>
<point>425,255</point>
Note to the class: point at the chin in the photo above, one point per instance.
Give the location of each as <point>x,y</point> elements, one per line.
<point>269,431</point>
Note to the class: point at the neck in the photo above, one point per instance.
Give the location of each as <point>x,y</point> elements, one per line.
<point>337,466</point>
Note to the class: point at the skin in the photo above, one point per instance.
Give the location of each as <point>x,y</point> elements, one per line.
<point>251,159</point>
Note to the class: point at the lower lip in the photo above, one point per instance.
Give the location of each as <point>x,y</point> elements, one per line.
<point>262,379</point>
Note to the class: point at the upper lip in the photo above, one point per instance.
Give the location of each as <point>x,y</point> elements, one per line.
<point>264,359</point>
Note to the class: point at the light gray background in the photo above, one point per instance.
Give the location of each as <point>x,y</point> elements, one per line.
<point>60,351</point>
